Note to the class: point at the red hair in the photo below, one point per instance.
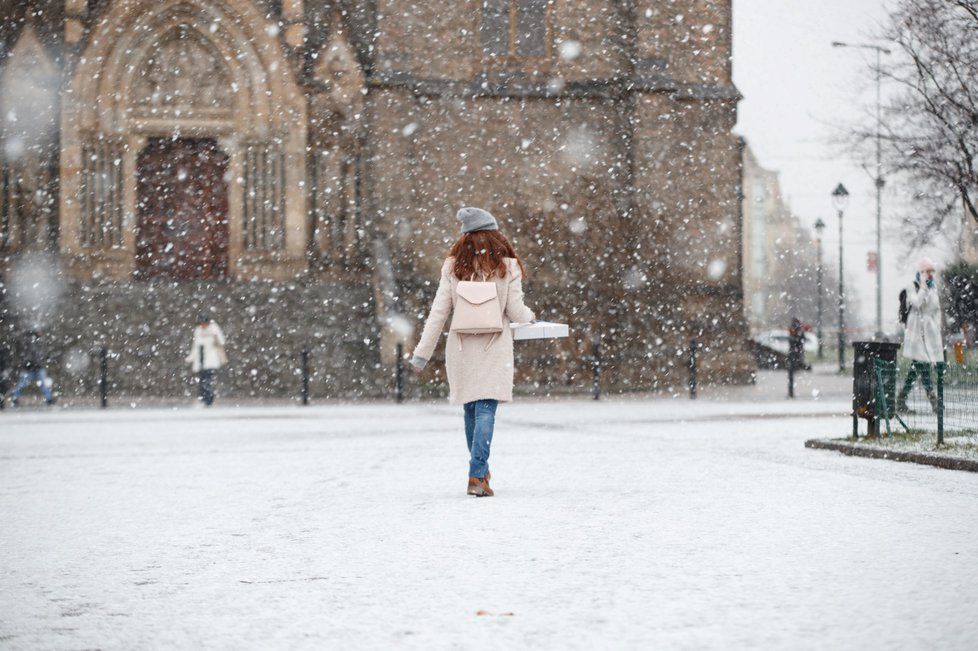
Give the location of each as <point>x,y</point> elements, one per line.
<point>483,252</point>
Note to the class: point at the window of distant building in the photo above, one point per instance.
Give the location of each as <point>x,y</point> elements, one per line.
<point>515,28</point>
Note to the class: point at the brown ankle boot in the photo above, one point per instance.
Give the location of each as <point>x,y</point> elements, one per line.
<point>479,487</point>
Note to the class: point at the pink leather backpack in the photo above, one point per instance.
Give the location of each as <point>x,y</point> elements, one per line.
<point>477,310</point>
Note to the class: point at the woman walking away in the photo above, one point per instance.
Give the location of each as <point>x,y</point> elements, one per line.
<point>922,337</point>
<point>481,287</point>
<point>207,355</point>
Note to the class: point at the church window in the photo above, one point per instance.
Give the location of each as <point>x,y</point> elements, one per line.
<point>264,197</point>
<point>334,202</point>
<point>515,28</point>
<point>101,194</point>
<point>530,37</point>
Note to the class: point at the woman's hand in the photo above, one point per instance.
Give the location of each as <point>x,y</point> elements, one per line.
<point>417,363</point>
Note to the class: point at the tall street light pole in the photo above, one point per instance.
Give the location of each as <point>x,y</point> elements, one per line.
<point>840,198</point>
<point>819,227</point>
<point>878,181</point>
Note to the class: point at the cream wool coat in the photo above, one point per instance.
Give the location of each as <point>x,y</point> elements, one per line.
<point>475,373</point>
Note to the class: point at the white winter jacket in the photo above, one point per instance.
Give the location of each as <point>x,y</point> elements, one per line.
<point>922,337</point>
<point>211,340</point>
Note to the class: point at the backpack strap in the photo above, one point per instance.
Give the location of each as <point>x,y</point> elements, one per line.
<point>492,340</point>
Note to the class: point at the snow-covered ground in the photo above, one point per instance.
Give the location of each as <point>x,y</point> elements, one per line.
<point>619,524</point>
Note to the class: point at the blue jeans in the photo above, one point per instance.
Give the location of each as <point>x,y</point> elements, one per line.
<point>35,375</point>
<point>480,418</point>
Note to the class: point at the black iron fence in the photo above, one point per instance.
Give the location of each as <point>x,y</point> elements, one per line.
<point>932,399</point>
<point>310,365</point>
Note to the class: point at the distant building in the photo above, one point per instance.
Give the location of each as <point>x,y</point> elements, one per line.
<point>780,257</point>
<point>295,166</point>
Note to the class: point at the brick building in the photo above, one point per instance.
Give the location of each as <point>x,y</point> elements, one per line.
<point>295,166</point>
<point>780,275</point>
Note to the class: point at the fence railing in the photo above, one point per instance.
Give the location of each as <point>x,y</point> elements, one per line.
<point>921,398</point>
<point>305,367</point>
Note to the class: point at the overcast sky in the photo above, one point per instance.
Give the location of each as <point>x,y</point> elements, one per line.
<point>796,87</point>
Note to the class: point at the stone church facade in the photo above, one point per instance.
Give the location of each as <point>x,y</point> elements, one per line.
<point>294,166</point>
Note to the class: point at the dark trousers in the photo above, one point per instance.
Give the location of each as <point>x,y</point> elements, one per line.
<point>923,370</point>
<point>205,386</point>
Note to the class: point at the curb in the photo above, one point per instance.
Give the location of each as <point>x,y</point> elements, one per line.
<point>923,458</point>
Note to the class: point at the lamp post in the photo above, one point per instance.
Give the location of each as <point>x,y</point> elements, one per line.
<point>878,181</point>
<point>840,198</point>
<point>819,227</point>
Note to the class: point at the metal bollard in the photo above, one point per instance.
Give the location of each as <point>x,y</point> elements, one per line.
<point>692,369</point>
<point>791,375</point>
<point>103,381</point>
<point>596,368</point>
<point>940,367</point>
<point>305,377</point>
<point>399,374</point>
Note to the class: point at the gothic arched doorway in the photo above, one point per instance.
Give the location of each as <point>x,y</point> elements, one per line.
<point>182,210</point>
<point>195,69</point>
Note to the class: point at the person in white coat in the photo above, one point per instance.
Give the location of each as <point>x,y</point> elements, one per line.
<point>207,355</point>
<point>922,337</point>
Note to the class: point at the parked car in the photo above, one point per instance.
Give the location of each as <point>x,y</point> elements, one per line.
<point>778,340</point>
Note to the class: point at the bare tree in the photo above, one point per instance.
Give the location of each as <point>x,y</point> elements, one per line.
<point>930,125</point>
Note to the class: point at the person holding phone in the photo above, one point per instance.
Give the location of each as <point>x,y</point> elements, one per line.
<point>922,337</point>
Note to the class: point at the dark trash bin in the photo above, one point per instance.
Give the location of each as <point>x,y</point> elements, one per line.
<point>865,354</point>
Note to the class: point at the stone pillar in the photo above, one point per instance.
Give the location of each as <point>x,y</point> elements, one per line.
<point>296,198</point>
<point>68,212</point>
<point>135,144</point>
<point>230,145</point>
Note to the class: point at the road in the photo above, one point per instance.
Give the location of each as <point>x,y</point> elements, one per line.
<point>627,523</point>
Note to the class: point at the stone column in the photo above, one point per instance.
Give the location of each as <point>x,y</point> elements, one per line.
<point>135,144</point>
<point>230,145</point>
<point>296,200</point>
<point>69,211</point>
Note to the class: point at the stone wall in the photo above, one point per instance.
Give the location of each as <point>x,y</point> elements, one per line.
<point>613,171</point>
<point>608,158</point>
<point>147,328</point>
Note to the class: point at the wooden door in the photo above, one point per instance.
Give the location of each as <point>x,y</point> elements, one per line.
<point>182,210</point>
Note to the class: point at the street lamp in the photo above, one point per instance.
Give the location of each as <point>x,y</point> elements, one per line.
<point>840,199</point>
<point>878,181</point>
<point>819,227</point>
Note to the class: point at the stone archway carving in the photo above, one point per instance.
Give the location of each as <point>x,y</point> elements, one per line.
<point>183,72</point>
<point>337,108</point>
<point>184,68</point>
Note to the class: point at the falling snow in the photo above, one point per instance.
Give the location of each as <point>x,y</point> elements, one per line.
<point>258,196</point>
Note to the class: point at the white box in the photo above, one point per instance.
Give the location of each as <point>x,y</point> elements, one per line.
<point>539,330</point>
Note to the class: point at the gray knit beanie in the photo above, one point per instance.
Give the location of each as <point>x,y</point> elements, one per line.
<point>476,219</point>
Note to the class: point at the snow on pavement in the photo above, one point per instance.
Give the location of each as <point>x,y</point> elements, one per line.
<point>620,524</point>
